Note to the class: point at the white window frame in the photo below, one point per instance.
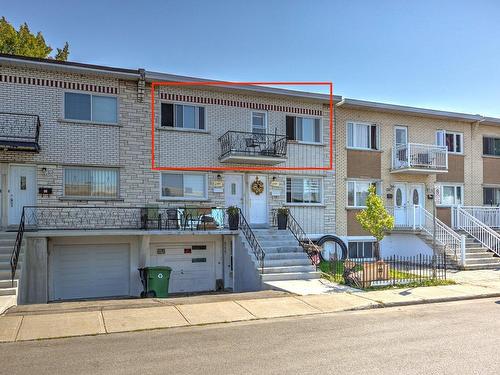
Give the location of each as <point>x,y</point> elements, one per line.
<point>320,203</point>
<point>441,187</point>
<point>314,120</point>
<point>400,127</point>
<point>378,187</point>
<point>354,123</point>
<point>196,105</point>
<point>441,133</point>
<point>90,197</point>
<point>265,120</point>
<point>163,198</point>
<point>91,121</point>
<point>363,241</point>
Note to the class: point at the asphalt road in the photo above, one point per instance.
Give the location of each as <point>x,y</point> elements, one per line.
<point>448,338</point>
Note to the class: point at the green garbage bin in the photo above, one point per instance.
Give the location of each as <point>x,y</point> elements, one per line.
<point>158,278</point>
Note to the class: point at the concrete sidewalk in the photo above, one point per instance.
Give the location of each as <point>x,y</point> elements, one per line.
<point>102,317</point>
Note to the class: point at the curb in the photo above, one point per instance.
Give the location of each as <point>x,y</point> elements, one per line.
<point>377,305</point>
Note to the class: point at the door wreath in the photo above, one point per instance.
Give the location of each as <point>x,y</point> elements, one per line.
<point>257,186</point>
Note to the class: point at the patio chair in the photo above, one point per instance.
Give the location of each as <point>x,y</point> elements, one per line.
<point>253,144</point>
<point>151,217</point>
<point>172,221</point>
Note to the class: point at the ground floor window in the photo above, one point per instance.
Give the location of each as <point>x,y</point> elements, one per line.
<point>451,194</point>
<point>303,190</point>
<point>91,182</point>
<point>357,192</point>
<point>491,196</point>
<point>184,186</point>
<point>360,249</point>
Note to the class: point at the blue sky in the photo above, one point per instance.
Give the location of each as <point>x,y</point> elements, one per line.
<point>438,54</point>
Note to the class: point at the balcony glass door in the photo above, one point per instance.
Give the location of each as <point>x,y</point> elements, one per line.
<point>400,146</point>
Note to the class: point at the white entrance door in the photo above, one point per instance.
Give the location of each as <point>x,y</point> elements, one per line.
<point>233,190</point>
<point>416,198</point>
<point>400,205</point>
<point>257,203</point>
<point>22,190</point>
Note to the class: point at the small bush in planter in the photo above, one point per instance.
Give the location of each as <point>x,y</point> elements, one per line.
<point>233,214</point>
<point>282,218</point>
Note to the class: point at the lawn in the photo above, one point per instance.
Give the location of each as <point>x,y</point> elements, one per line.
<point>333,271</point>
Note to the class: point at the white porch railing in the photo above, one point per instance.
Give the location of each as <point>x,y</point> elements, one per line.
<point>420,157</point>
<point>414,217</point>
<point>490,216</point>
<point>463,220</point>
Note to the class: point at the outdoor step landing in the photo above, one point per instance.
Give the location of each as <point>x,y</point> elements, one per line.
<point>282,249</point>
<point>12,291</point>
<point>286,262</point>
<point>289,269</point>
<point>291,276</point>
<point>285,255</point>
<point>7,283</point>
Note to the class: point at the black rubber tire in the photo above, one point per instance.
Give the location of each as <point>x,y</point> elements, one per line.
<point>337,240</point>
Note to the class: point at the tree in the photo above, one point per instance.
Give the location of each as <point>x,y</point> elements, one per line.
<point>375,219</point>
<point>23,42</point>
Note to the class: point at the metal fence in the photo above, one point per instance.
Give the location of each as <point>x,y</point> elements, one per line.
<point>147,218</point>
<point>393,270</point>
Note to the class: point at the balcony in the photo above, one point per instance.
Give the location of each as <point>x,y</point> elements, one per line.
<point>152,218</point>
<point>252,148</point>
<point>419,159</point>
<point>19,132</point>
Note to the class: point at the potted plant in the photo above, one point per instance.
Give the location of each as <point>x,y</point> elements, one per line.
<point>233,216</point>
<point>282,218</point>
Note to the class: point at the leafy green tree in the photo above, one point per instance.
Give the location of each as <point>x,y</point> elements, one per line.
<point>375,219</point>
<point>23,42</point>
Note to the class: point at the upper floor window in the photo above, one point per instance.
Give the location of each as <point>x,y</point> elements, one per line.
<point>182,116</point>
<point>91,182</point>
<point>357,192</point>
<point>89,107</point>
<point>491,146</point>
<point>184,186</point>
<point>259,122</point>
<point>303,190</point>
<point>491,196</point>
<point>303,129</point>
<point>452,140</point>
<point>451,194</point>
<point>363,136</point>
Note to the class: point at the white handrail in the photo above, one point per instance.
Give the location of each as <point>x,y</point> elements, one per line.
<point>445,236</point>
<point>477,229</point>
<point>489,215</point>
<point>418,218</point>
<point>419,156</point>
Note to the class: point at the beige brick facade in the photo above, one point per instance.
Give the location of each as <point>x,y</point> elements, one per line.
<point>421,129</point>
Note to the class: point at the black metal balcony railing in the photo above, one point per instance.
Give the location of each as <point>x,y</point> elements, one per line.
<point>253,144</point>
<point>19,131</point>
<point>142,218</point>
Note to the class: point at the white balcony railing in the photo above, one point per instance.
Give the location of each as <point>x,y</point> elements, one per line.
<point>415,157</point>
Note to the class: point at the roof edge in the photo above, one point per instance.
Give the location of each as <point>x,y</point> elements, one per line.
<point>426,112</point>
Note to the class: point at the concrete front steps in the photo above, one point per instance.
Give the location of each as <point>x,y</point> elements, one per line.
<point>477,256</point>
<point>285,259</point>
<point>7,242</point>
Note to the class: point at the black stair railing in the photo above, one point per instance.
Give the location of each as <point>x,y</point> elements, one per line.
<point>14,258</point>
<point>252,240</point>
<point>312,250</point>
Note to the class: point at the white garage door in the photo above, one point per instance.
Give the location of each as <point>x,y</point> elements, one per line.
<point>192,266</point>
<point>89,271</point>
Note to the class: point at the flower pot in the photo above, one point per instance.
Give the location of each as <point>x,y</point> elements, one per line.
<point>282,221</point>
<point>234,220</point>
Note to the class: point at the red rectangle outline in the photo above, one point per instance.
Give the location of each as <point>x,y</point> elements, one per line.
<point>204,83</point>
